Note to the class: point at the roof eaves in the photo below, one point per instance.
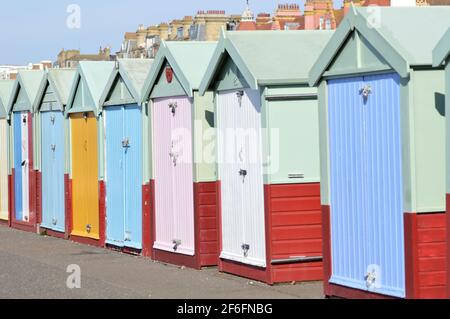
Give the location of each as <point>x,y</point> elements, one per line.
<point>130,85</point>
<point>108,87</point>
<point>394,54</point>
<point>332,49</point>
<point>212,67</point>
<point>240,63</point>
<point>442,51</point>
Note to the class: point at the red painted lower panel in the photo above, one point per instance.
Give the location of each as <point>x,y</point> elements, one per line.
<point>86,241</point>
<point>246,271</point>
<point>52,233</point>
<point>147,220</point>
<point>431,255</point>
<point>207,241</point>
<point>293,229</point>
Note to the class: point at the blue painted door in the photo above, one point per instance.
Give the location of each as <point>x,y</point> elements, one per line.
<point>21,166</point>
<point>366,191</point>
<point>123,127</point>
<point>53,149</point>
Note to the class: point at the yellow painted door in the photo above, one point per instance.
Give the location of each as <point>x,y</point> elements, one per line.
<point>3,172</point>
<point>85,176</point>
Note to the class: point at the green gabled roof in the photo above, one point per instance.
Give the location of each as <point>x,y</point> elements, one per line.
<point>61,80</point>
<point>405,36</point>
<point>134,72</point>
<point>269,57</point>
<point>33,84</point>
<point>442,51</point>
<point>188,60</point>
<point>95,75</point>
<point>6,89</point>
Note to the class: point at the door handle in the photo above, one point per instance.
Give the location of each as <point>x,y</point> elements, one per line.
<point>53,147</point>
<point>174,157</point>
<point>24,162</point>
<point>126,143</point>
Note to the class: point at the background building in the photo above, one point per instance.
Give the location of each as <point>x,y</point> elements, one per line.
<point>9,72</point>
<point>71,58</point>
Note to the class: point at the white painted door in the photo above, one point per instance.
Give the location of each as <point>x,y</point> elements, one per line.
<point>25,126</point>
<point>253,190</point>
<point>228,120</point>
<point>241,177</point>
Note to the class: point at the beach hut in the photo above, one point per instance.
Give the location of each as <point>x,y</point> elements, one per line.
<point>183,180</point>
<point>52,150</point>
<point>6,87</point>
<point>125,130</point>
<point>22,108</point>
<point>382,128</point>
<point>441,57</point>
<point>268,154</point>
<point>87,188</point>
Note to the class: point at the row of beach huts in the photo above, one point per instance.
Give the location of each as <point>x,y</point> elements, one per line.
<point>278,156</point>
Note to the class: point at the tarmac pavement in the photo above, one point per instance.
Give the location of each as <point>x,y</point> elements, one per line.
<point>34,266</point>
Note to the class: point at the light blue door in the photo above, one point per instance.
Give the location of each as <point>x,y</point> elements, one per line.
<point>53,148</point>
<point>124,175</point>
<point>366,192</point>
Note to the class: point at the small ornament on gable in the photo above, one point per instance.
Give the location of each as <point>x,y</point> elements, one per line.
<point>169,74</point>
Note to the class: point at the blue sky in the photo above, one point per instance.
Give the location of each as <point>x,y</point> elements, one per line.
<point>31,31</point>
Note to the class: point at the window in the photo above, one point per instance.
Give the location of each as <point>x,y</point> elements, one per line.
<point>180,33</point>
<point>321,23</point>
<point>328,24</point>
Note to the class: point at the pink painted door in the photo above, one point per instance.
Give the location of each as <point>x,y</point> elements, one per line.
<point>173,173</point>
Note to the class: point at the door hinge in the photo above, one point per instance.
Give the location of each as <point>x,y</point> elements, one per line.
<point>243,174</point>
<point>245,249</point>
<point>176,243</point>
<point>365,91</point>
<point>173,107</point>
<point>52,119</point>
<point>240,95</point>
